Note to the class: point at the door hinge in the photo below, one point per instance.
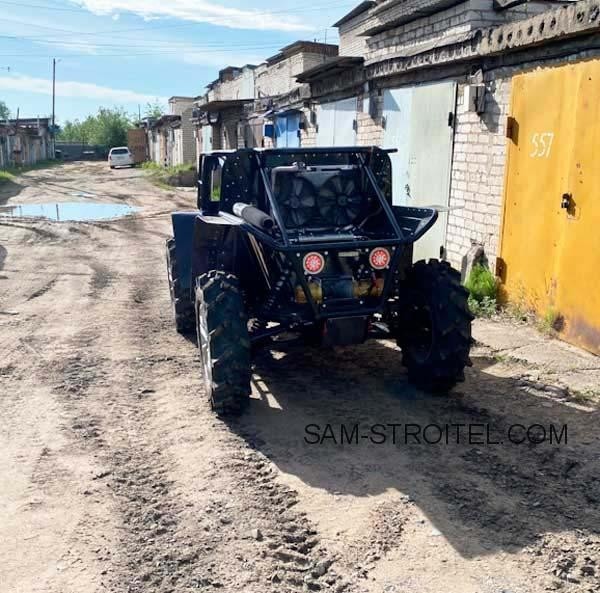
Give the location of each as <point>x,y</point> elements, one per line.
<point>451,119</point>
<point>512,128</point>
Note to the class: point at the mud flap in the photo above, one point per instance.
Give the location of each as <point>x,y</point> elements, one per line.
<point>345,331</point>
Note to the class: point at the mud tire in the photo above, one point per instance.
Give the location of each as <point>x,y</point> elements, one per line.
<point>223,341</point>
<point>434,326</point>
<point>183,307</point>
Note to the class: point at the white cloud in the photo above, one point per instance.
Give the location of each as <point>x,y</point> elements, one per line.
<point>219,59</point>
<point>200,11</point>
<point>83,90</point>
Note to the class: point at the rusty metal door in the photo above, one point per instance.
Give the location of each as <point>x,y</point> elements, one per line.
<point>550,240</point>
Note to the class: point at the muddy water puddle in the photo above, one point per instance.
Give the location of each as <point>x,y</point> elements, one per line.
<point>67,211</point>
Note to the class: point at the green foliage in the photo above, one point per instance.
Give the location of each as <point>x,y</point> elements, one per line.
<point>10,174</point>
<point>154,110</point>
<point>550,322</point>
<point>107,128</point>
<point>486,307</point>
<point>483,291</point>
<point>481,283</point>
<point>4,110</point>
<point>152,166</point>
<point>162,176</point>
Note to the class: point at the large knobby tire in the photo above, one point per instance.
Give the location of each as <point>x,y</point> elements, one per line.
<point>223,341</point>
<point>183,307</point>
<point>434,326</point>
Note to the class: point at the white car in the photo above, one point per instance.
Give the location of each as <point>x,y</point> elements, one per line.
<point>120,157</point>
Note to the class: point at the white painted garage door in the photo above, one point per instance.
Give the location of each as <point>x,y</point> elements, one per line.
<point>207,138</point>
<point>418,124</point>
<point>336,123</point>
<point>397,105</point>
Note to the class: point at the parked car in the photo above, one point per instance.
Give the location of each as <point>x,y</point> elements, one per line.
<point>120,157</point>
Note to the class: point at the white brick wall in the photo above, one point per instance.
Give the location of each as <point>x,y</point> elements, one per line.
<point>352,43</point>
<point>443,27</point>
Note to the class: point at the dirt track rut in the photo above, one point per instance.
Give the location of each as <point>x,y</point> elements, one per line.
<point>117,477</point>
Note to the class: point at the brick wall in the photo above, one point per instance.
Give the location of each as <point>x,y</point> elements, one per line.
<point>477,180</point>
<point>177,105</point>
<point>368,118</point>
<point>352,43</point>
<point>188,140</point>
<point>229,129</point>
<point>478,168</point>
<point>445,27</point>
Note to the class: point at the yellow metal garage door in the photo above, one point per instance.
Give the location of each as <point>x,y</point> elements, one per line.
<point>551,229</point>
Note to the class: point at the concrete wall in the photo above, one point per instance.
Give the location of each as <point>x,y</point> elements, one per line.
<point>177,105</point>
<point>240,86</point>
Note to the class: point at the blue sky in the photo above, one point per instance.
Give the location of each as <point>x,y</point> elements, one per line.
<point>130,52</point>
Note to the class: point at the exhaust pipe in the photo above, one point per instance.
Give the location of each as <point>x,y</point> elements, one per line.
<point>253,216</point>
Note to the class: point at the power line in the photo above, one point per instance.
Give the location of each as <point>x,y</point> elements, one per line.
<point>175,45</point>
<point>175,50</point>
<point>126,54</point>
<point>258,13</point>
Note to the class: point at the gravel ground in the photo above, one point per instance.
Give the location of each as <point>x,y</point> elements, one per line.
<point>117,477</point>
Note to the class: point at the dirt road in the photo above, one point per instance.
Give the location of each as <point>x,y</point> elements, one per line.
<point>117,477</point>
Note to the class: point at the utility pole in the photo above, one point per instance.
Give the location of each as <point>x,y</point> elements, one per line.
<point>53,136</point>
<point>53,94</point>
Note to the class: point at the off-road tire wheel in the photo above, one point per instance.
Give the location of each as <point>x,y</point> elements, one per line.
<point>183,308</point>
<point>223,341</point>
<point>434,326</point>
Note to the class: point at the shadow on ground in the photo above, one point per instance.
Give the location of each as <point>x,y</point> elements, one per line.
<point>483,497</point>
<point>8,190</point>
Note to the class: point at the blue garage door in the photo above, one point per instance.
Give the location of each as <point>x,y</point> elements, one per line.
<point>287,130</point>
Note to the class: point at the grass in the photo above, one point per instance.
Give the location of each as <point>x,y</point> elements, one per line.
<point>550,322</point>
<point>160,175</point>
<point>483,291</point>
<point>11,173</point>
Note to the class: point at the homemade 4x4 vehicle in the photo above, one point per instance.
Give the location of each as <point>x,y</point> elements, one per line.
<point>306,243</point>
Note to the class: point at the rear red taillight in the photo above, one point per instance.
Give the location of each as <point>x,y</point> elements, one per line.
<point>313,263</point>
<point>379,258</point>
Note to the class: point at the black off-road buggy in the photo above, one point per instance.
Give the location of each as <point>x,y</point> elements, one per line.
<point>306,242</point>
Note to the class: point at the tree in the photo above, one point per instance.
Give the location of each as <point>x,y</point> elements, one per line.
<point>4,110</point>
<point>107,128</point>
<point>154,110</point>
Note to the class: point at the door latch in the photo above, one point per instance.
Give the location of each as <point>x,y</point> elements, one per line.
<point>565,202</point>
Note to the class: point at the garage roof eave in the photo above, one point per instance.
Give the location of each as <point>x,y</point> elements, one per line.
<point>362,7</point>
<point>220,105</point>
<point>330,68</point>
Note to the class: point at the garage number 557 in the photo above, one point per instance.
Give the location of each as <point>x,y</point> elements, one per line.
<point>541,143</point>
